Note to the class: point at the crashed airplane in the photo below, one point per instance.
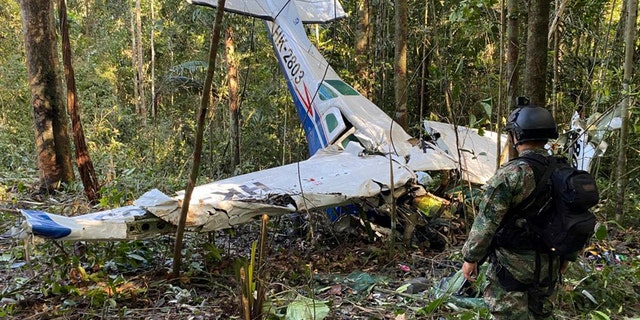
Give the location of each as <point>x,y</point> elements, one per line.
<point>359,155</point>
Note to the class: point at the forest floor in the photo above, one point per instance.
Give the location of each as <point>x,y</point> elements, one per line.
<point>321,270</point>
<point>348,275</point>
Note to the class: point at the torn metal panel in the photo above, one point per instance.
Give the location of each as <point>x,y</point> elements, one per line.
<point>585,139</point>
<point>476,154</point>
<point>426,156</point>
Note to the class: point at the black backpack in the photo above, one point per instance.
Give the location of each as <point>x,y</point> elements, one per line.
<point>556,217</point>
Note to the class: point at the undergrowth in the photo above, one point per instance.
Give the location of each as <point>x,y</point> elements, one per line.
<point>129,279</point>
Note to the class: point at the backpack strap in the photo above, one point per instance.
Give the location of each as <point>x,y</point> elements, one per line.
<point>542,170</point>
<point>542,167</point>
<point>538,164</point>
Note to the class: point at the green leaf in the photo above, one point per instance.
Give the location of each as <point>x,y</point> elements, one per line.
<point>601,232</point>
<point>6,257</point>
<point>303,308</point>
<point>68,303</point>
<point>599,315</point>
<point>486,106</point>
<point>56,289</point>
<point>589,296</point>
<point>433,305</point>
<point>468,315</point>
<point>403,288</point>
<point>136,257</point>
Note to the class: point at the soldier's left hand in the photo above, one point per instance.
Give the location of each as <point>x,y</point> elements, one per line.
<point>470,270</point>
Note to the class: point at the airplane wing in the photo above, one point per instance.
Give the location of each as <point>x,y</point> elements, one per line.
<point>328,179</point>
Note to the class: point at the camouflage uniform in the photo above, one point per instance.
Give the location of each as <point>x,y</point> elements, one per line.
<point>511,184</point>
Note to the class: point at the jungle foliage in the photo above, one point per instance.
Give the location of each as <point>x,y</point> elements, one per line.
<point>454,48</point>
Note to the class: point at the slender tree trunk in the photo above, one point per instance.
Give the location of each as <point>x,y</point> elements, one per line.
<point>197,153</point>
<point>400,74</point>
<point>555,24</point>
<point>154,112</point>
<point>591,43</point>
<point>555,83</point>
<point>88,18</point>
<point>513,63</point>
<point>513,51</point>
<point>537,47</point>
<point>380,53</point>
<point>140,60</point>
<point>134,63</point>
<point>501,83</point>
<point>629,40</point>
<point>234,111</point>
<point>424,70</point>
<point>555,35</point>
<point>621,32</point>
<point>83,160</point>
<point>51,132</point>
<point>363,48</point>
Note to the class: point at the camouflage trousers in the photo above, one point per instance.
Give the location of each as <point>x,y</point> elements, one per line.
<point>514,305</point>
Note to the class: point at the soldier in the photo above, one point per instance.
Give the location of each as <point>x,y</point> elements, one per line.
<point>513,290</point>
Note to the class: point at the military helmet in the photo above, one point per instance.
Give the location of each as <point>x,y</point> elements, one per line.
<point>530,123</point>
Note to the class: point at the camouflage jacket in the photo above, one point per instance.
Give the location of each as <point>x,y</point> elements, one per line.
<point>511,184</point>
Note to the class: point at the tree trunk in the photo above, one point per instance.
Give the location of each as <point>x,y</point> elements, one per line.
<point>513,50</point>
<point>513,65</point>
<point>381,33</point>
<point>400,74</point>
<point>424,69</point>
<point>134,63</point>
<point>536,61</point>
<point>154,112</point>
<point>363,48</point>
<point>197,152</point>
<point>88,19</point>
<point>501,81</point>
<point>621,30</point>
<point>629,40</point>
<point>555,82</point>
<point>140,61</point>
<point>234,111</point>
<point>83,160</point>
<point>51,132</point>
<point>555,34</point>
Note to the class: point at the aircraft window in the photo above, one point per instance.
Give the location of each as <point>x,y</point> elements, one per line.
<point>326,93</point>
<point>331,121</point>
<point>343,88</point>
<point>349,138</point>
